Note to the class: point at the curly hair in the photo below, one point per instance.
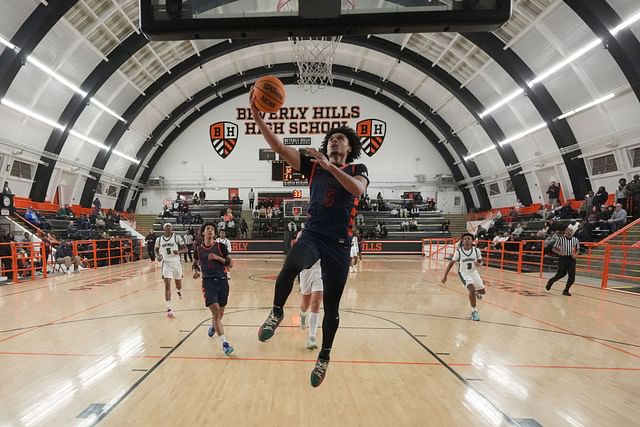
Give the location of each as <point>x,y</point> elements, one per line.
<point>354,142</point>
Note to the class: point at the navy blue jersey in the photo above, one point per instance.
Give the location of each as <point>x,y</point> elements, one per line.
<point>211,268</point>
<point>332,209</point>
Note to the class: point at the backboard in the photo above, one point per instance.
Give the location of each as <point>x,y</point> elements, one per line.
<point>236,19</point>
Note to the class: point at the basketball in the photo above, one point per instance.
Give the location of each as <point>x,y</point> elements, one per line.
<point>269,94</point>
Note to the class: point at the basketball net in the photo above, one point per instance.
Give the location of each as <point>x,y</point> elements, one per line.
<point>314,56</point>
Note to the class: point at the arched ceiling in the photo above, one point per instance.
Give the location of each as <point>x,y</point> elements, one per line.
<point>477,93</point>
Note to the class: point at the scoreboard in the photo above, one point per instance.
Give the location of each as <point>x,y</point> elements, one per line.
<point>282,171</point>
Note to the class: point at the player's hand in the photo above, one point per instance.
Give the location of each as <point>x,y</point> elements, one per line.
<point>196,274</point>
<point>444,280</point>
<point>159,258</point>
<point>230,264</point>
<point>175,252</point>
<point>252,103</point>
<point>319,158</point>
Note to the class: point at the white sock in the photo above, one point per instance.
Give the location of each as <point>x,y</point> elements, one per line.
<point>303,314</point>
<point>223,339</point>
<point>473,309</point>
<point>169,305</point>
<point>313,324</point>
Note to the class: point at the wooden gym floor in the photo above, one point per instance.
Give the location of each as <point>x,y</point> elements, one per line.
<point>97,348</point>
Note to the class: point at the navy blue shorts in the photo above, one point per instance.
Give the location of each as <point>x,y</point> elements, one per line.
<point>334,256</point>
<point>215,290</point>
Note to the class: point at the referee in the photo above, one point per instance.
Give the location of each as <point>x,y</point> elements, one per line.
<point>566,247</point>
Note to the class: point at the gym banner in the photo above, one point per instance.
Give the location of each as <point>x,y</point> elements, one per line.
<point>257,247</point>
<point>392,247</point>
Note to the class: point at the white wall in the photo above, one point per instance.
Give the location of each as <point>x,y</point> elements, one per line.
<point>191,161</point>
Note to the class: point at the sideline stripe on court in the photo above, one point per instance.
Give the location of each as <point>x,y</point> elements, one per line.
<point>346,362</point>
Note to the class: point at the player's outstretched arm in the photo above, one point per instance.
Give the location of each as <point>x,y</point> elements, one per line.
<point>290,154</point>
<point>446,272</point>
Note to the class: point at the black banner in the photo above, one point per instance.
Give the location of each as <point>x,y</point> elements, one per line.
<point>297,141</point>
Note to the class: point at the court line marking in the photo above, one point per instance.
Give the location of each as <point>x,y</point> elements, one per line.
<point>153,368</point>
<point>338,361</point>
<point>540,321</point>
<point>78,312</point>
<point>550,324</point>
<point>512,325</point>
<point>75,280</point>
<point>455,373</point>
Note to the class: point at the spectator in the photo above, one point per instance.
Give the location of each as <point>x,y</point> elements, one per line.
<point>252,198</point>
<point>554,192</point>
<point>517,232</point>
<point>188,242</point>
<point>150,240</point>
<point>633,190</point>
<point>565,212</point>
<point>71,230</point>
<point>618,218</point>
<point>413,225</point>
<point>26,237</point>
<point>202,195</point>
<point>621,192</point>
<point>404,225</point>
<point>196,199</point>
<point>601,197</point>
<point>292,227</point>
<point>231,228</point>
<point>269,212</point>
<point>64,255</point>
<point>383,230</point>
<point>244,228</point>
<point>542,233</point>
<point>587,205</point>
<point>359,219</point>
<point>6,189</point>
<point>97,203</point>
<point>498,239</point>
<point>606,214</point>
<point>379,197</point>
<point>395,213</point>
<point>235,200</point>
<point>550,241</point>
<point>262,212</point>
<point>31,216</point>
<point>519,205</point>
<point>446,224</point>
<point>573,226</point>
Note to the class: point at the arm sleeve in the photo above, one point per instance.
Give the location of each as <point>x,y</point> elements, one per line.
<point>306,165</point>
<point>224,252</point>
<point>361,170</point>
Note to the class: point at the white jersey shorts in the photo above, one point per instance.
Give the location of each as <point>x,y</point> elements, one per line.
<point>171,270</point>
<point>311,279</point>
<point>354,251</point>
<point>471,278</point>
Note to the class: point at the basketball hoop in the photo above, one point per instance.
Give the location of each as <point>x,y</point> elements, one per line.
<point>314,56</point>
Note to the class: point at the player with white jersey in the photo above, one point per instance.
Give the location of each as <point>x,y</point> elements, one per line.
<point>223,240</point>
<point>468,258</point>
<point>311,289</point>
<point>354,254</point>
<point>168,248</point>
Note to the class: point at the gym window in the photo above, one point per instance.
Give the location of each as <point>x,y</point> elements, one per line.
<point>22,170</point>
<point>508,186</point>
<point>603,164</point>
<point>635,157</point>
<point>494,189</point>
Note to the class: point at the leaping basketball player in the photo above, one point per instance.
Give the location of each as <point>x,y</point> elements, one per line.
<point>335,185</point>
<point>468,258</point>
<point>168,249</point>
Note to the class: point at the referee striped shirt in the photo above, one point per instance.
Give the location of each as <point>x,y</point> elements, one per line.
<point>567,246</point>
